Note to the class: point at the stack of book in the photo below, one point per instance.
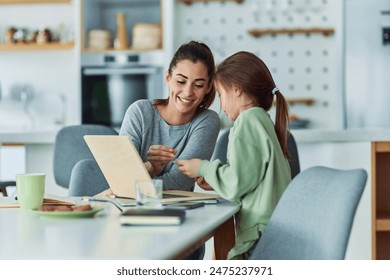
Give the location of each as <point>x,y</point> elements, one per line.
<point>144,216</point>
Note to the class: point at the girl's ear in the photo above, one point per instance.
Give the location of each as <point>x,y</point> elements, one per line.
<point>237,91</point>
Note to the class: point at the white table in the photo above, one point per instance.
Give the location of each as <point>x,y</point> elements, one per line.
<point>24,235</point>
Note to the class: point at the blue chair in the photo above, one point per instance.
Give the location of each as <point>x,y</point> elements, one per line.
<point>220,150</point>
<point>70,148</point>
<point>314,216</point>
<point>87,179</point>
<point>4,185</point>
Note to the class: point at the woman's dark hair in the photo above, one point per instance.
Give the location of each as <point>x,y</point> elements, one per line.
<point>249,73</point>
<point>195,51</point>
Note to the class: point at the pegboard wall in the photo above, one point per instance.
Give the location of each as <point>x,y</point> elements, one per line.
<point>308,65</point>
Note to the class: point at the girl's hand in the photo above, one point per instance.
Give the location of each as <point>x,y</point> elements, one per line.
<point>189,167</point>
<point>158,157</point>
<point>203,184</point>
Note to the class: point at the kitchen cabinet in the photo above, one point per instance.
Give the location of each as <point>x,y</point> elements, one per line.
<point>141,21</point>
<point>380,200</point>
<point>12,161</point>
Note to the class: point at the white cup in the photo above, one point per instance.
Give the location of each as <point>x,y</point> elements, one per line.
<point>149,193</point>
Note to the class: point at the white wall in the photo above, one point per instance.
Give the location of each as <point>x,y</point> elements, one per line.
<point>302,66</point>
<point>367,64</point>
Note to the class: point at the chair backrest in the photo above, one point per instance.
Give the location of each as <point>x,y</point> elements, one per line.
<point>87,179</point>
<point>223,140</point>
<point>70,148</point>
<point>314,216</point>
<point>220,150</point>
<point>294,157</point>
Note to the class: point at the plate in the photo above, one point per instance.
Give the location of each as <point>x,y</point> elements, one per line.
<point>69,214</point>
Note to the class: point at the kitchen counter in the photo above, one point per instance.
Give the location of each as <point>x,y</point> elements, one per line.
<point>47,135</point>
<point>363,135</point>
<point>27,136</point>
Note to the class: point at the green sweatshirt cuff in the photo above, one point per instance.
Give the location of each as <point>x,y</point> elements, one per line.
<point>203,167</point>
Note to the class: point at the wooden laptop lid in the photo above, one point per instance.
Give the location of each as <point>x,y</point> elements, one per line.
<point>119,161</point>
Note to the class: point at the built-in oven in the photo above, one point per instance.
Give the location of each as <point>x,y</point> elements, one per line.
<point>110,82</point>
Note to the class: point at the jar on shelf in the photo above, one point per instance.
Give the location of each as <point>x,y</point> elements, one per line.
<point>9,35</point>
<point>44,36</point>
<point>20,35</point>
<point>121,42</point>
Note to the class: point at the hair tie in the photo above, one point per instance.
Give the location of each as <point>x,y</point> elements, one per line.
<point>275,90</point>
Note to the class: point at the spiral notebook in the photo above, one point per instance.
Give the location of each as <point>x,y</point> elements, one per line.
<point>122,166</point>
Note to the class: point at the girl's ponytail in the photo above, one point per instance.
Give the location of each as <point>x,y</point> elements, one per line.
<point>282,122</point>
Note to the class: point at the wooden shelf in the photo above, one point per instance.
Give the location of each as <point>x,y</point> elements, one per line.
<point>87,50</point>
<point>383,147</point>
<point>34,1</point>
<point>190,2</point>
<point>294,101</point>
<point>290,31</point>
<point>380,166</point>
<point>37,47</point>
<point>305,101</point>
<point>383,224</point>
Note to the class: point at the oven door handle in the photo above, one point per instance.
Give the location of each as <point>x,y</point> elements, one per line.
<point>120,71</point>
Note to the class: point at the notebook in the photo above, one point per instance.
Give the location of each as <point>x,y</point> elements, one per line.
<point>122,166</point>
<point>139,216</point>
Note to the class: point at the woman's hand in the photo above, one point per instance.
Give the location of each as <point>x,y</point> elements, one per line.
<point>203,184</point>
<point>158,157</point>
<point>189,167</point>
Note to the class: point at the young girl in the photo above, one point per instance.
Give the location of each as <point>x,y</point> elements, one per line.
<point>257,171</point>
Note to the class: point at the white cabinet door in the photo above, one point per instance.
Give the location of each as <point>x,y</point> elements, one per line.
<point>367,64</point>
<point>12,162</point>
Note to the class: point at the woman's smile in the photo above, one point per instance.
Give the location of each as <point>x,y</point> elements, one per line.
<point>185,100</point>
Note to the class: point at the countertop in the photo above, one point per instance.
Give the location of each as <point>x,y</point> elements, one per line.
<point>43,135</point>
<point>348,135</point>
<point>46,135</point>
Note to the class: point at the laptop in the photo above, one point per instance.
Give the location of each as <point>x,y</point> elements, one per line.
<point>122,166</point>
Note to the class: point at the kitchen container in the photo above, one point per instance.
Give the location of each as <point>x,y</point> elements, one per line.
<point>120,17</point>
<point>121,42</point>
<point>146,36</point>
<point>99,39</point>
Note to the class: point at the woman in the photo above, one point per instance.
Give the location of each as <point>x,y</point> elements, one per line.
<point>180,126</point>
